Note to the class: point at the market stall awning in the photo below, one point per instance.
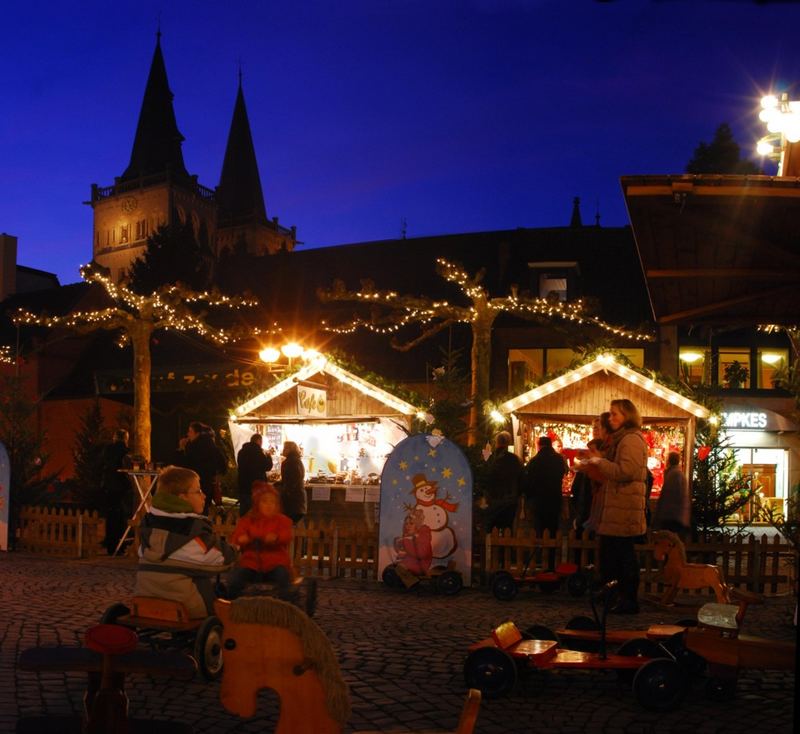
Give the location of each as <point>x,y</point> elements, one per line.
<point>718,249</point>
<point>379,401</point>
<point>585,392</point>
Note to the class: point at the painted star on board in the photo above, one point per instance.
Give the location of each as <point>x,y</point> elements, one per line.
<point>403,465</point>
<point>447,472</point>
<point>461,481</point>
<point>432,452</point>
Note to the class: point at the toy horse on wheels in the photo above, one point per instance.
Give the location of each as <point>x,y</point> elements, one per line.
<point>678,574</point>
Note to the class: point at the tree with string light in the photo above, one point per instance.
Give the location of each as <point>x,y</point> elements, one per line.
<point>390,312</point>
<point>137,317</point>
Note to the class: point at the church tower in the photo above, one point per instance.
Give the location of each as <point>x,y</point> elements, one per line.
<point>242,217</point>
<point>155,188</point>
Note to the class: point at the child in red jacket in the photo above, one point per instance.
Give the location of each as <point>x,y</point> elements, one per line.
<point>263,535</point>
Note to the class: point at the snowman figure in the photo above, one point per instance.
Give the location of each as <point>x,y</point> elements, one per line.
<point>435,512</point>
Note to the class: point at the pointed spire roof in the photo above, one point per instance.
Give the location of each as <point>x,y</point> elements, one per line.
<point>157,145</point>
<point>239,192</point>
<point>575,220</point>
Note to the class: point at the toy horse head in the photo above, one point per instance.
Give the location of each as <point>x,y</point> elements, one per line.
<point>271,644</point>
<point>666,542</point>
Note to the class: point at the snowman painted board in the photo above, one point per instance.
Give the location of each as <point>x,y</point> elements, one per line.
<point>427,483</point>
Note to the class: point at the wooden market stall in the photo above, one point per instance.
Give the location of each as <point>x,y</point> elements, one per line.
<point>565,407</point>
<point>345,428</point>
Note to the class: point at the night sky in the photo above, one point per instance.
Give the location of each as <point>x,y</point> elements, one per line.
<point>454,116</point>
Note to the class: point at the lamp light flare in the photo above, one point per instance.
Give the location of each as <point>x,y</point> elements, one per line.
<point>269,354</point>
<point>291,350</point>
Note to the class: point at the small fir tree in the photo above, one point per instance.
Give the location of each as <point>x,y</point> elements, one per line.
<point>88,455</point>
<point>719,489</point>
<point>721,155</point>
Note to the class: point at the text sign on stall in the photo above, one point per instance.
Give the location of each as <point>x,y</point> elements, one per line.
<point>311,401</point>
<point>426,507</point>
<point>5,497</point>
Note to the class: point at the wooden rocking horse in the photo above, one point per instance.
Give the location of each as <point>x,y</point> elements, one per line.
<point>268,643</point>
<point>678,574</point>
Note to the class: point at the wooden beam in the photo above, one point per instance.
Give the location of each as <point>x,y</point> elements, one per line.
<point>725,273</point>
<point>719,305</point>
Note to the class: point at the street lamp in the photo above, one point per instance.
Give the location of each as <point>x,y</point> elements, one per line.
<point>782,118</point>
<point>290,350</point>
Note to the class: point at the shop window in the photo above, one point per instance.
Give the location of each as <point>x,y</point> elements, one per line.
<point>733,368</point>
<point>524,366</point>
<point>694,363</point>
<point>771,362</point>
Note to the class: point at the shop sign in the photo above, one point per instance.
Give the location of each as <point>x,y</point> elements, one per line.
<point>744,420</point>
<point>311,401</point>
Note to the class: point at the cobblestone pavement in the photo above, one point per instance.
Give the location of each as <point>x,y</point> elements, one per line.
<point>401,654</point>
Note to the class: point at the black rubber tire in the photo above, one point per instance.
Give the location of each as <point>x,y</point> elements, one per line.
<point>113,613</point>
<point>540,632</point>
<point>491,670</point>
<point>577,584</point>
<point>582,622</point>
<point>721,689</point>
<point>391,578</point>
<point>690,662</point>
<point>504,587</point>
<point>449,583</point>
<point>639,647</point>
<point>659,685</point>
<point>208,648</point>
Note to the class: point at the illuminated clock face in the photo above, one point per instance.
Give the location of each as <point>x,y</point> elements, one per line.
<point>129,204</point>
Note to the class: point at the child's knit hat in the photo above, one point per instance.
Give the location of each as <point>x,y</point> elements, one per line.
<point>261,488</point>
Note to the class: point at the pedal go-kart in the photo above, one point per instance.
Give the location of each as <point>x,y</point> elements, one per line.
<point>505,586</point>
<point>494,664</point>
<point>444,579</point>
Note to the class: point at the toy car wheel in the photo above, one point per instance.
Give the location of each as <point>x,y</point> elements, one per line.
<point>539,632</point>
<point>391,578</point>
<point>582,622</point>
<point>721,689</point>
<point>577,584</point>
<point>449,583</point>
<point>504,587</point>
<point>113,613</point>
<point>689,661</point>
<point>659,685</point>
<point>491,670</point>
<point>639,647</point>
<point>208,648</point>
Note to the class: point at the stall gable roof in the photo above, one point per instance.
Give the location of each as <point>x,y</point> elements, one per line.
<point>318,364</point>
<point>609,364</point>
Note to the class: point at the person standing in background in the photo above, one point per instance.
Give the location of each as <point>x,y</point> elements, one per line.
<point>252,464</point>
<point>292,483</point>
<point>117,489</point>
<point>674,506</point>
<point>199,452</point>
<point>502,490</point>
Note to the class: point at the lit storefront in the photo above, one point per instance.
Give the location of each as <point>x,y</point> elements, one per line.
<point>766,446</point>
<point>565,407</point>
<point>344,426</point>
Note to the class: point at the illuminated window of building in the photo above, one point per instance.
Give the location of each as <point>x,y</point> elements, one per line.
<point>694,363</point>
<point>124,233</point>
<point>554,279</point>
<point>524,365</point>
<point>770,362</point>
<point>141,229</point>
<point>559,359</point>
<point>733,370</point>
<point>550,285</point>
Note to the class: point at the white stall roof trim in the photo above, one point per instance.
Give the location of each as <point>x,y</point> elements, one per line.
<point>322,364</point>
<point>609,364</point>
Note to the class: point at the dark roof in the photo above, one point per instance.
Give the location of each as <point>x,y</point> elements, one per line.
<point>718,249</point>
<point>239,193</point>
<point>33,279</point>
<point>157,145</point>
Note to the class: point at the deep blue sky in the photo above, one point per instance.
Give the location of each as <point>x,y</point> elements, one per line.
<point>453,115</point>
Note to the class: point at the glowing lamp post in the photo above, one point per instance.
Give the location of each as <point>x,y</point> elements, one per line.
<point>782,118</point>
<point>291,350</point>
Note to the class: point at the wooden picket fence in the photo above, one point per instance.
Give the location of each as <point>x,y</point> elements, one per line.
<point>329,550</point>
<point>66,532</point>
<point>767,565</point>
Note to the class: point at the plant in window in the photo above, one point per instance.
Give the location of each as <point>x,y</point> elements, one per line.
<point>736,374</point>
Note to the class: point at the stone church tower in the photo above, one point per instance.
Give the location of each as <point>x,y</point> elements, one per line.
<point>156,189</point>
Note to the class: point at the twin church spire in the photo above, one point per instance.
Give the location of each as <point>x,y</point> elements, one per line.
<point>156,189</point>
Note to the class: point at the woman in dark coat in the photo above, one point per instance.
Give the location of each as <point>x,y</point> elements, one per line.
<point>292,483</point>
<point>199,452</point>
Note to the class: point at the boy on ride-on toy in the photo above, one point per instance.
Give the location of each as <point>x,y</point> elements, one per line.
<point>263,535</point>
<point>179,554</point>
